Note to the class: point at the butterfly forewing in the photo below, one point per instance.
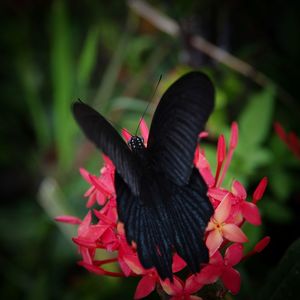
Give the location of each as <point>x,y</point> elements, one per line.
<point>107,139</point>
<point>177,122</point>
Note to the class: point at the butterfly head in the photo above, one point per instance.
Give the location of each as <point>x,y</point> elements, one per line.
<point>136,143</point>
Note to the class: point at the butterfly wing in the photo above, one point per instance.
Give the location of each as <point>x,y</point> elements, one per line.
<point>107,139</point>
<point>177,122</point>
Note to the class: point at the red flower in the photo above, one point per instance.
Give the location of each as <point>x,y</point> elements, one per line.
<point>231,210</point>
<point>102,187</point>
<point>150,276</point>
<point>219,229</point>
<point>247,209</point>
<point>223,269</point>
<point>180,290</point>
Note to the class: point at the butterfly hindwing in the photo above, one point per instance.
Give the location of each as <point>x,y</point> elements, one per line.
<point>107,139</point>
<point>179,118</point>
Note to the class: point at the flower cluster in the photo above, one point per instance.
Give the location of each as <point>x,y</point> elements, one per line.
<point>224,236</point>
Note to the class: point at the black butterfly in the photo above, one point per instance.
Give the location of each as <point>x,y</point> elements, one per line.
<point>161,197</point>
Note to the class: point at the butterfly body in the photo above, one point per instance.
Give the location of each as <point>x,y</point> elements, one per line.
<point>161,197</point>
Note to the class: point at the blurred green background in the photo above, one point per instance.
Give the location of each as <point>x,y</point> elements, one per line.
<point>107,54</point>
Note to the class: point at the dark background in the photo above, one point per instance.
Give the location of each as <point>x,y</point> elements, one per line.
<point>53,52</point>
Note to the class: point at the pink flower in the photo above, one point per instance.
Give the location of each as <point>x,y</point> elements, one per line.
<point>180,290</point>
<point>102,187</point>
<point>223,269</point>
<point>150,276</point>
<point>219,229</point>
<point>247,209</point>
<point>88,237</point>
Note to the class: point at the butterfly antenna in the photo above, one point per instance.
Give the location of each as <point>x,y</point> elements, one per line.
<point>160,77</point>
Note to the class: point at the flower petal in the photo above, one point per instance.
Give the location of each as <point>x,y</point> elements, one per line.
<point>92,198</point>
<point>214,241</point>
<point>124,267</point>
<point>262,244</point>
<point>126,134</point>
<point>99,184</point>
<point>192,285</point>
<point>86,255</point>
<point>210,226</point>
<point>280,131</point>
<point>209,274</point>
<point>239,190</point>
<point>108,163</point>
<point>232,280</point>
<point>68,219</point>
<point>101,198</point>
<point>85,174</point>
<point>258,193</point>
<point>251,213</point>
<point>89,191</point>
<point>217,193</point>
<point>204,168</point>
<point>234,135</point>
<point>85,224</point>
<point>234,234</point>
<point>172,288</point>
<point>145,286</point>
<point>221,150</point>
<point>223,210</point>
<point>134,264</point>
<point>144,131</point>
<point>233,254</point>
<point>178,263</point>
<point>216,259</point>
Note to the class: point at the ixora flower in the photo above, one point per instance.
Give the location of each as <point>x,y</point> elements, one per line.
<point>224,236</point>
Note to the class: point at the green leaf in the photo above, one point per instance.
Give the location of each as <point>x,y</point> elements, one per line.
<point>29,76</point>
<point>248,160</point>
<point>284,281</point>
<point>109,80</point>
<point>135,50</point>
<point>62,80</point>
<point>281,184</point>
<point>125,103</point>
<point>276,212</point>
<point>88,57</point>
<point>256,119</point>
<point>254,234</point>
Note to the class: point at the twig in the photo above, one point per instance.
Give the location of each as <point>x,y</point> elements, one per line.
<point>169,26</point>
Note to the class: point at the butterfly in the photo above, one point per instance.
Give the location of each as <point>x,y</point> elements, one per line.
<point>161,197</point>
